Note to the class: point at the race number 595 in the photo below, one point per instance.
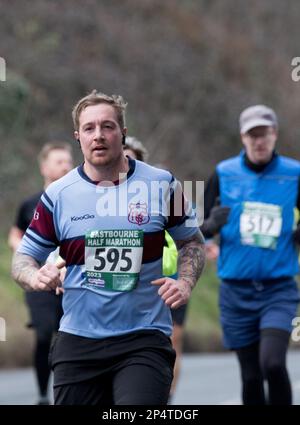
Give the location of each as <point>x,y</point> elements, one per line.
<point>112,257</point>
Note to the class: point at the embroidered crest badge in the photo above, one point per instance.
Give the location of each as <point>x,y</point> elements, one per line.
<point>138,213</point>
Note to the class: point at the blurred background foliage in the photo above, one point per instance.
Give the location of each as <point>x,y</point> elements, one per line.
<point>186,67</point>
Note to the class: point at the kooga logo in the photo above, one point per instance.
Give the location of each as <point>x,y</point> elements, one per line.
<point>82,217</point>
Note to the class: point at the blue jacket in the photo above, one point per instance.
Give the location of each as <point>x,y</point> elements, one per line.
<point>277,185</point>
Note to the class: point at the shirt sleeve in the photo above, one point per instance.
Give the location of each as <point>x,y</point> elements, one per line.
<point>211,193</point>
<point>40,238</point>
<point>21,221</point>
<point>182,221</point>
<point>211,196</point>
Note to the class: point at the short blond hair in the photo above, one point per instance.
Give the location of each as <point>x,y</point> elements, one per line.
<point>95,98</point>
<point>53,146</point>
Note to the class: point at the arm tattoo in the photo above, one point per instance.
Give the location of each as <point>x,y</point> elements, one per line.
<point>191,259</point>
<point>23,267</point>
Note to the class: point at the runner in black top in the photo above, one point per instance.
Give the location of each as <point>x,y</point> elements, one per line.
<point>45,308</point>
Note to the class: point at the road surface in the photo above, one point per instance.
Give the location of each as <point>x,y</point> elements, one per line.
<point>209,379</point>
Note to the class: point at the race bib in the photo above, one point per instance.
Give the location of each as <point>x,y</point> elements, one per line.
<point>260,224</point>
<point>113,259</point>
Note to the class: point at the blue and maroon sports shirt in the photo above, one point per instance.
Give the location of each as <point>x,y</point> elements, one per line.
<point>112,240</point>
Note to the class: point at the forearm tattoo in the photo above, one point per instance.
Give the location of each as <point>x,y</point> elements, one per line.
<point>23,268</point>
<point>191,259</point>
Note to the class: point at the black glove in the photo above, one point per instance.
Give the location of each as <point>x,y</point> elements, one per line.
<point>296,235</point>
<point>217,218</point>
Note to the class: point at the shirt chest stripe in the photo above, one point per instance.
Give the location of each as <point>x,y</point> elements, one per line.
<point>72,250</point>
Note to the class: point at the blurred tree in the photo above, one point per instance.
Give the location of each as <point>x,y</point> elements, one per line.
<point>187,69</point>
<point>13,105</point>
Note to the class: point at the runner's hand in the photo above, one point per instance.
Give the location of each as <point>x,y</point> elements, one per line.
<point>217,218</point>
<point>173,292</point>
<point>47,278</point>
<point>212,250</point>
<point>60,264</point>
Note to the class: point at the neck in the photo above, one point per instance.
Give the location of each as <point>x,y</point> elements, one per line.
<point>110,172</point>
<point>47,182</point>
<point>258,167</point>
